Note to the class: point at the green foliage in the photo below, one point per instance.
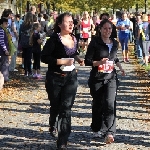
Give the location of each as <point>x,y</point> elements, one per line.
<point>78,6</point>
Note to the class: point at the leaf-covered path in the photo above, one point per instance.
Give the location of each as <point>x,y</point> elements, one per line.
<point>24,114</point>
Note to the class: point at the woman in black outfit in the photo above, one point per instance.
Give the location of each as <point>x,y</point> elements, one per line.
<point>61,83</point>
<point>102,55</point>
<point>25,30</point>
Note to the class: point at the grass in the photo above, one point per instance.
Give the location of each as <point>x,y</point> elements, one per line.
<point>132,53</point>
<point>147,68</point>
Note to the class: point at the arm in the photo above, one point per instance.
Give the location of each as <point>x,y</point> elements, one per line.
<point>90,53</point>
<point>14,29</point>
<point>79,60</point>
<point>120,68</point>
<point>118,26</point>
<point>131,25</point>
<point>147,30</point>
<point>139,30</point>
<point>78,25</point>
<point>39,40</point>
<point>92,25</point>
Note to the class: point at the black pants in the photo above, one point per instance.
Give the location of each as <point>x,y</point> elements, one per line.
<point>61,93</point>
<point>37,60</point>
<point>104,106</point>
<point>27,55</point>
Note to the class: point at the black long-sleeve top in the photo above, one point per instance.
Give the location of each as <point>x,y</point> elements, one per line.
<point>53,50</point>
<point>98,50</point>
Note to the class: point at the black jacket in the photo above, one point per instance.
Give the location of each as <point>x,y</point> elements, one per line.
<point>98,50</point>
<point>53,50</point>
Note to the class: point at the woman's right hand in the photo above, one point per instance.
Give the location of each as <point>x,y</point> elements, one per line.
<point>68,62</point>
<point>101,62</point>
<point>6,52</point>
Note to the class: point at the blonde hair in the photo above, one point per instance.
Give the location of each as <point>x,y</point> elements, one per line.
<point>35,26</point>
<point>145,17</point>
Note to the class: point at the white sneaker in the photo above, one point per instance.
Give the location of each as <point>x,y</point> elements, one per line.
<point>39,76</point>
<point>97,134</point>
<point>15,70</point>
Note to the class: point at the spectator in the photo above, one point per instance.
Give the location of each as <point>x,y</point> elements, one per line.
<point>138,37</point>
<point>4,48</point>
<point>18,22</point>
<point>123,25</point>
<point>146,41</point>
<point>24,36</point>
<point>15,37</point>
<point>36,41</point>
<point>33,10</point>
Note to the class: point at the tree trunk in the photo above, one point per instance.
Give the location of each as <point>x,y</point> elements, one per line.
<point>48,5</point>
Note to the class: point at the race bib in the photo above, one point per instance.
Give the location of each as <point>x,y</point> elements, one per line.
<point>85,30</point>
<point>106,68</point>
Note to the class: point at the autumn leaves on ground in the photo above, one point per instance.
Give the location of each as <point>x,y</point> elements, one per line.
<point>18,85</point>
<point>143,87</point>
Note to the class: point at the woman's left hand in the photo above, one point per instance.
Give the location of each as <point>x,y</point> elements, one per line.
<point>81,63</point>
<point>123,72</point>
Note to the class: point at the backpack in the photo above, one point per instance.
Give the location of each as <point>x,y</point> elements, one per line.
<point>24,38</point>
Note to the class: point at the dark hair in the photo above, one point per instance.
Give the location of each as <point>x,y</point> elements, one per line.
<point>138,14</point>
<point>35,25</point>
<point>59,20</point>
<point>3,20</point>
<point>40,15</point>
<point>105,21</point>
<point>104,14</point>
<point>6,13</point>
<point>45,17</point>
<point>18,16</point>
<point>102,24</point>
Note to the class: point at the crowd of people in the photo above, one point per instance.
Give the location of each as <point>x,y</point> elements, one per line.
<point>127,27</point>
<point>57,40</point>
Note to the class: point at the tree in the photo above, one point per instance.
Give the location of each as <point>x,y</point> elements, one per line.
<point>75,6</point>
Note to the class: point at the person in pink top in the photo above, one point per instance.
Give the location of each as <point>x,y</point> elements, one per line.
<point>85,29</point>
